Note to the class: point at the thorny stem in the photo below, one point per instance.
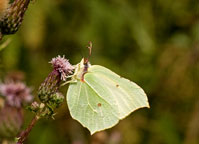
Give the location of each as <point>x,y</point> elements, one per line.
<point>24,134</point>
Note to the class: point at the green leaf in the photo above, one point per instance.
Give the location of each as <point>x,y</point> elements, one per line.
<point>102,98</point>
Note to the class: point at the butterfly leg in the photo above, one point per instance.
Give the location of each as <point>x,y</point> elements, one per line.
<point>70,81</point>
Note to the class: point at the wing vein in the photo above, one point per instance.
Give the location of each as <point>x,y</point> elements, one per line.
<point>102,98</point>
<point>77,101</point>
<point>88,100</point>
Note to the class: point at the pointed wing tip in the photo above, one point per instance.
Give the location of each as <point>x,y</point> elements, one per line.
<point>147,105</point>
<point>96,131</point>
<point>92,132</point>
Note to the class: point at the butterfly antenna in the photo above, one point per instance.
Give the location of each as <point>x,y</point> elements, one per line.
<point>90,46</point>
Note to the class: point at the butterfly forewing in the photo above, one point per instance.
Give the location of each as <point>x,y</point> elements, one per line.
<point>127,95</point>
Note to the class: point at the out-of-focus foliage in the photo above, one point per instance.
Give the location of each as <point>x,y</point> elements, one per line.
<point>154,43</point>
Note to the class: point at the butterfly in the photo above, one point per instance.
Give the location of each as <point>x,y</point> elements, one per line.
<point>98,98</point>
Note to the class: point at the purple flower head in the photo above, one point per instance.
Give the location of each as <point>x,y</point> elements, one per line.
<point>61,65</point>
<point>15,93</point>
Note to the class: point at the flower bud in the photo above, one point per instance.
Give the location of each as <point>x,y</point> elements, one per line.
<point>34,107</point>
<point>11,120</point>
<point>13,17</point>
<point>3,7</point>
<point>56,100</point>
<point>49,86</point>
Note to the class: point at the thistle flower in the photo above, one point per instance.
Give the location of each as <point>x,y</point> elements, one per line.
<point>15,93</point>
<point>61,65</point>
<point>13,17</point>
<point>49,90</point>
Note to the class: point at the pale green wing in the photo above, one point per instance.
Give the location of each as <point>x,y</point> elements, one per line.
<point>90,109</point>
<point>128,95</point>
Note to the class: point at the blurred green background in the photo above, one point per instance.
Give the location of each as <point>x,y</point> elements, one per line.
<point>153,43</point>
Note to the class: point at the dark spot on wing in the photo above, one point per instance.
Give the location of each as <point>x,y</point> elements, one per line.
<point>99,104</point>
<point>117,85</point>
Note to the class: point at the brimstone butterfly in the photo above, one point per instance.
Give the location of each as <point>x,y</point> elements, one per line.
<point>98,98</point>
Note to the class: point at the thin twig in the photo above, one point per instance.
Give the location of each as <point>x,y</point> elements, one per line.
<point>24,134</point>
